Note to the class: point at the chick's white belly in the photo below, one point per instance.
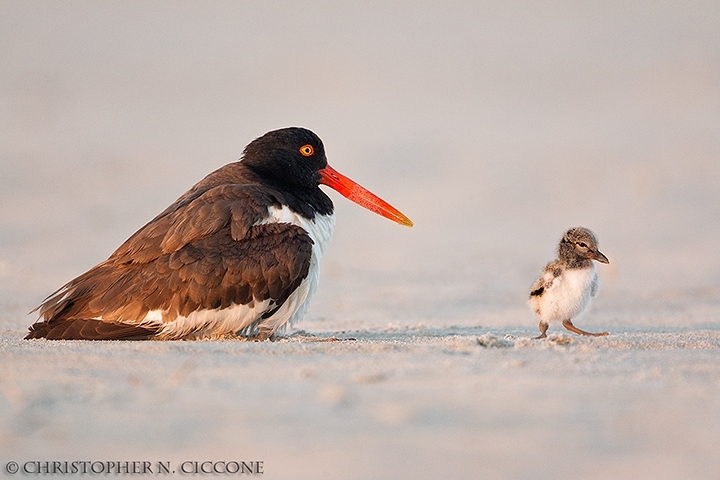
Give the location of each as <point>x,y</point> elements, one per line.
<point>568,296</point>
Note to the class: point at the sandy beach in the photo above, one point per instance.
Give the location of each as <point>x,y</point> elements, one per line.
<point>493,126</point>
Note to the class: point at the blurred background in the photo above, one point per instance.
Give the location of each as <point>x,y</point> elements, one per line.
<point>494,125</point>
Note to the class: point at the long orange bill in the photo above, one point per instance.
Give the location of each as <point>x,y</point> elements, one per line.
<point>363,197</point>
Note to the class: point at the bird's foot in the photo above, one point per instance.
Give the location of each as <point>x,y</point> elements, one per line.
<point>598,334</point>
<point>569,325</point>
<point>266,334</point>
<point>543,330</point>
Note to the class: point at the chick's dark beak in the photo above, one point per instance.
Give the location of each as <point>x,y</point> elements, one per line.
<point>600,257</point>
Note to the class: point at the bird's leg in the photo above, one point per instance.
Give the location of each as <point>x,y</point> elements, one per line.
<point>266,334</point>
<point>543,330</point>
<point>569,325</point>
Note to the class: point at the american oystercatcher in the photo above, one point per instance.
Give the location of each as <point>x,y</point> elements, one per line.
<point>237,254</point>
<point>567,284</point>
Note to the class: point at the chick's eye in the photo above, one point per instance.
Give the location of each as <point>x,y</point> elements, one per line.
<point>306,150</point>
<point>582,244</point>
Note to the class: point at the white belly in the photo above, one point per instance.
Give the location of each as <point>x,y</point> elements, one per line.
<point>568,296</point>
<point>320,230</point>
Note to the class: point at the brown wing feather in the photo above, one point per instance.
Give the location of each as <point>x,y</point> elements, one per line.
<point>197,264</point>
<point>240,206</point>
<point>551,271</point>
<point>76,329</point>
<point>214,272</point>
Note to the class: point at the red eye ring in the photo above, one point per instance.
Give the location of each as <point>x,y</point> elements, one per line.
<point>307,150</point>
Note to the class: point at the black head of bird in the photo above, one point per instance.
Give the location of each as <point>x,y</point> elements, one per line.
<point>294,158</point>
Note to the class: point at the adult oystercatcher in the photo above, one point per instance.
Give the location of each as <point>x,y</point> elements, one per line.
<point>236,254</point>
<point>568,283</point>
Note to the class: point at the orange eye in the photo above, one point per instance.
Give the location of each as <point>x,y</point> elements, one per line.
<point>306,150</point>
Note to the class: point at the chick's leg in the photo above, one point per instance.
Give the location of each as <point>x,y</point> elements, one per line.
<point>569,325</point>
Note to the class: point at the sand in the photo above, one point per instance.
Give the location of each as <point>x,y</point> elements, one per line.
<point>494,126</point>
